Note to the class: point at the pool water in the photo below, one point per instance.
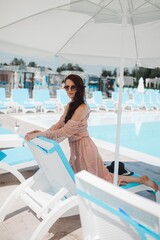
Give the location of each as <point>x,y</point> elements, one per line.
<point>146,141</point>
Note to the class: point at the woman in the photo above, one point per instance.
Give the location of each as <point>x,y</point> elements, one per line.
<point>73,125</point>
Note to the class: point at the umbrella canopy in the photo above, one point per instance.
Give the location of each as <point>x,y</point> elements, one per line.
<point>81,31</point>
<point>102,32</point>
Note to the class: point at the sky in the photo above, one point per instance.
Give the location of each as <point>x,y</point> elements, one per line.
<point>54,63</point>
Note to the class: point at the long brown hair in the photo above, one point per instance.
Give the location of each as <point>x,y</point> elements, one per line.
<point>79,96</point>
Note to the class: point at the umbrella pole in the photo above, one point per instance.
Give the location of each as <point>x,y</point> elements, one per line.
<point>118,129</point>
<point>119,107</point>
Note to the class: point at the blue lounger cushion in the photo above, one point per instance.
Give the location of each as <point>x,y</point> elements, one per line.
<point>16,155</point>
<point>2,155</point>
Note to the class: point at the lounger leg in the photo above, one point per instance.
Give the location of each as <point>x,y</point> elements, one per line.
<point>13,198</point>
<point>53,216</point>
<point>12,170</point>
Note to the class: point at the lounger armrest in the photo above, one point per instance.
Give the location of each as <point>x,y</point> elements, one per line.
<point>47,146</point>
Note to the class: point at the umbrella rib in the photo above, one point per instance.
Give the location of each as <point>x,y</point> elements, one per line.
<point>148,1</point>
<point>37,14</point>
<point>105,7</point>
<point>132,23</point>
<point>75,33</point>
<point>82,26</point>
<point>138,7</point>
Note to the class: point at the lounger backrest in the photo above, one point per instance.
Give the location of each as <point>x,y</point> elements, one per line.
<point>62,97</point>
<point>97,97</point>
<point>53,163</point>
<point>138,98</point>
<point>20,95</point>
<point>2,94</point>
<point>41,95</point>
<point>109,212</point>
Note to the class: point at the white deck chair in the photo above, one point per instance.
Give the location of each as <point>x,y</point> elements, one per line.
<point>20,98</point>
<point>14,156</point>
<point>109,212</point>
<point>62,98</point>
<point>14,159</point>
<point>42,98</point>
<point>148,105</point>
<point>101,103</point>
<point>92,105</point>
<point>10,140</point>
<point>154,100</point>
<point>50,192</point>
<point>3,101</point>
<point>138,100</point>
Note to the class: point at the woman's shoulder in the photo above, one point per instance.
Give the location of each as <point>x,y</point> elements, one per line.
<point>81,112</point>
<point>83,106</point>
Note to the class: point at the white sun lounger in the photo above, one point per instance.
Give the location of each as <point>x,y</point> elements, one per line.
<point>14,159</point>
<point>3,101</point>
<point>51,191</point>
<point>106,104</point>
<point>62,98</point>
<point>21,101</point>
<point>109,212</point>
<point>10,140</point>
<point>42,98</point>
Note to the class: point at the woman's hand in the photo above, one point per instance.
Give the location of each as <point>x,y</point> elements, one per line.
<point>29,136</point>
<point>121,182</point>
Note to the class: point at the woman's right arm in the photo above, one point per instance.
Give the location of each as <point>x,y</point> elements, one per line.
<point>53,127</point>
<point>58,125</point>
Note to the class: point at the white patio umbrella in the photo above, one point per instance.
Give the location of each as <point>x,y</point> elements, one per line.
<point>140,87</point>
<point>103,32</point>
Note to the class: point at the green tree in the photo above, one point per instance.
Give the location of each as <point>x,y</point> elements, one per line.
<point>141,72</point>
<point>32,64</point>
<point>155,73</point>
<point>78,68</point>
<point>106,73</point>
<point>126,72</point>
<point>115,72</point>
<point>17,62</point>
<point>69,67</point>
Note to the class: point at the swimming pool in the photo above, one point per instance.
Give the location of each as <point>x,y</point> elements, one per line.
<point>146,141</point>
<point>140,132</point>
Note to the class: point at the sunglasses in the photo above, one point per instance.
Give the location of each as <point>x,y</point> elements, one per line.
<point>71,88</point>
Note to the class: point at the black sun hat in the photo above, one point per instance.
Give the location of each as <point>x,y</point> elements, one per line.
<point>121,171</point>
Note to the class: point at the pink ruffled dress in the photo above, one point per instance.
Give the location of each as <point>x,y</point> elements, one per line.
<point>84,154</point>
